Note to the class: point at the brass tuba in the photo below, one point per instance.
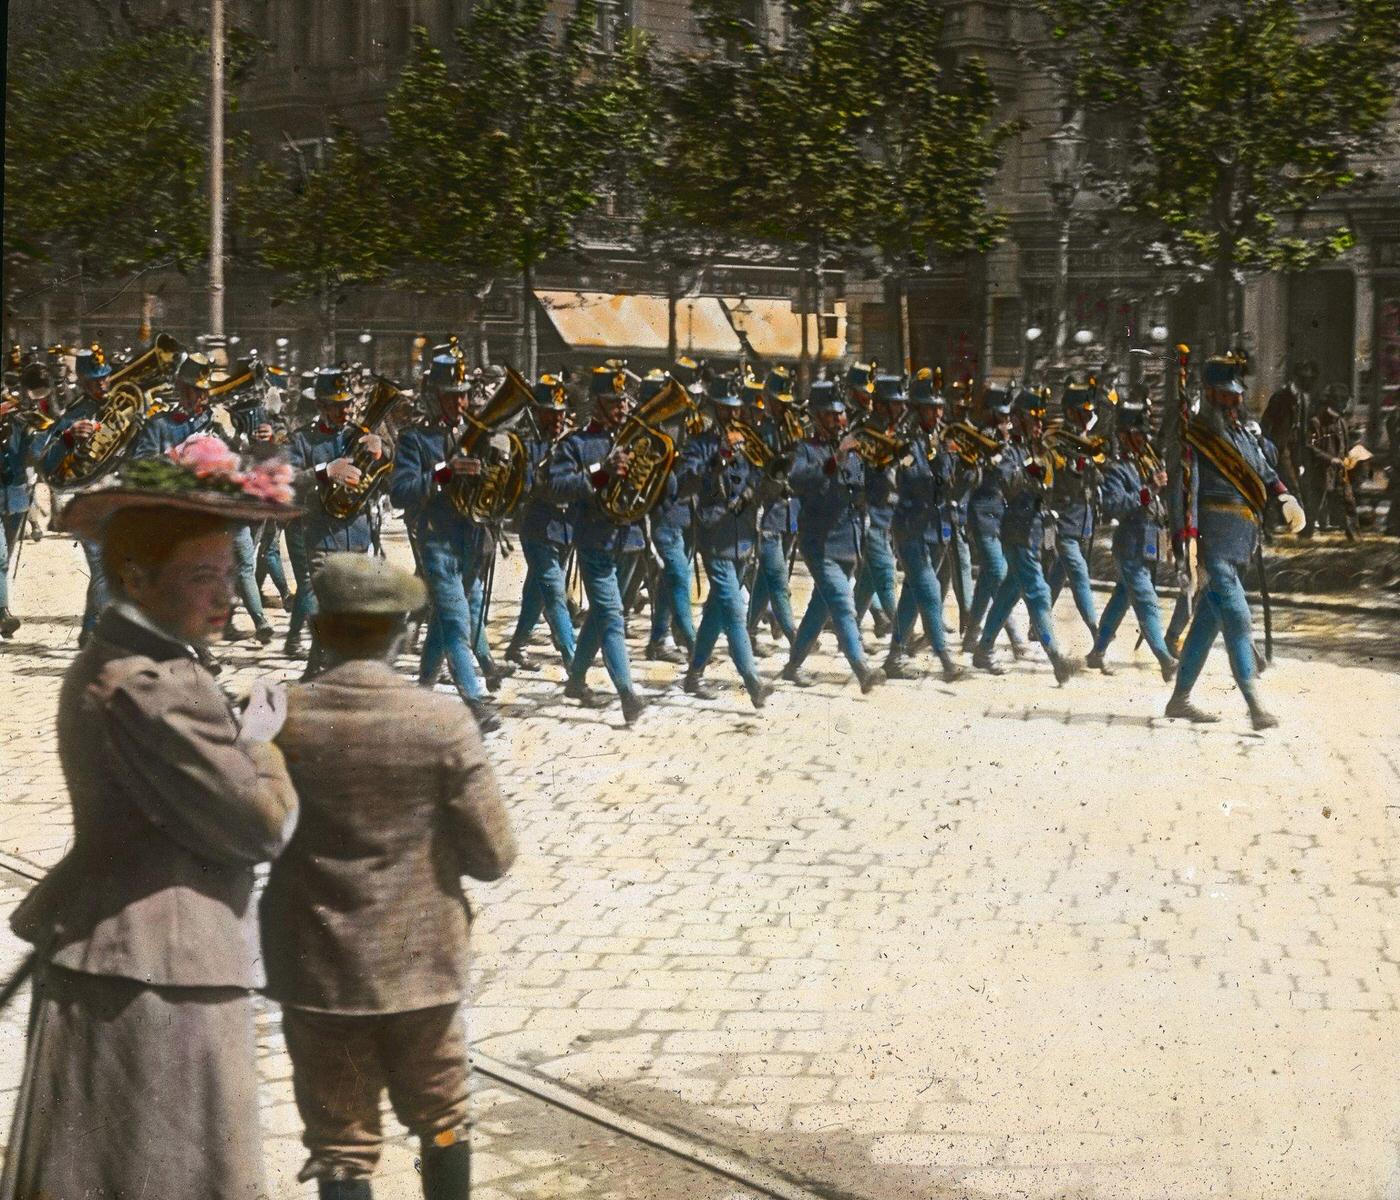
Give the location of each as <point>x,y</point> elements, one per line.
<point>969,443</point>
<point>343,500</point>
<point>119,416</point>
<point>750,443</point>
<point>489,497</point>
<point>1065,443</point>
<point>628,498</point>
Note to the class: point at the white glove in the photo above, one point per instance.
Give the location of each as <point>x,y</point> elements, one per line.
<point>1293,515</point>
<point>265,713</point>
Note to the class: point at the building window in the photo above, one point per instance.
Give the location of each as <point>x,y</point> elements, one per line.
<point>1007,335</point>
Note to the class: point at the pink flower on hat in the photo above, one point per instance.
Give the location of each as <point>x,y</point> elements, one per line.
<point>207,457</point>
<point>270,481</point>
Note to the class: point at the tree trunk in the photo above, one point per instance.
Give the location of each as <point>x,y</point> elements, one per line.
<point>901,284</point>
<point>532,347</point>
<point>328,317</point>
<point>819,304</point>
<point>804,359</point>
<point>672,316</point>
<point>1222,280</point>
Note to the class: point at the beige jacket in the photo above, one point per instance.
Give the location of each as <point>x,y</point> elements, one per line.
<point>171,810</point>
<point>365,913</point>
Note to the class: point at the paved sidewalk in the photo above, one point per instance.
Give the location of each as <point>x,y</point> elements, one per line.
<point>991,940</point>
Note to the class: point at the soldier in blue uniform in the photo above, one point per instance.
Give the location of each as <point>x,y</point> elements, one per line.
<point>1024,475</point>
<point>1231,482</point>
<point>921,532</point>
<point>777,523</point>
<point>877,566</point>
<point>828,477</point>
<point>725,482</point>
<point>545,533</point>
<point>450,545</point>
<point>582,469</point>
<point>1072,498</point>
<point>669,525</point>
<point>78,424</point>
<point>189,417</point>
<point>321,454</point>
<point>986,506</point>
<point>1132,495</point>
<point>25,430</point>
<point>956,571</point>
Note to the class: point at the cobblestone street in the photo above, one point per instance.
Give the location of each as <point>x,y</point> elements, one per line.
<point>995,939</point>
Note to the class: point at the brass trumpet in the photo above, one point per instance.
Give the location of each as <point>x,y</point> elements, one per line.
<point>968,443</point>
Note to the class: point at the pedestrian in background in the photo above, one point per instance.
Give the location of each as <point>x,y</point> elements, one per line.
<point>364,922</point>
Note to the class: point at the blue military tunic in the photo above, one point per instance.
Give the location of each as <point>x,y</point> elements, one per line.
<point>986,505</point>
<point>1072,498</point>
<point>542,518</point>
<point>1135,537</point>
<point>717,479</point>
<point>923,486</point>
<point>572,481</point>
<point>780,506</point>
<point>171,429</point>
<point>423,450</point>
<point>308,448</point>
<point>1024,521</point>
<point>831,520</point>
<point>880,497</point>
<point>1219,513</point>
<point>21,447</point>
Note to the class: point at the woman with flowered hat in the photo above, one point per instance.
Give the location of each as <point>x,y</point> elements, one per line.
<point>139,1075</point>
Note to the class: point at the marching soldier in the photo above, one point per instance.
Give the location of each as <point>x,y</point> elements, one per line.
<point>581,470</point>
<point>545,533</point>
<point>877,567</point>
<point>717,467</point>
<point>1132,495</point>
<point>986,506</point>
<point>1230,486</point>
<point>764,409</point>
<point>449,544</point>
<point>25,430</point>
<point>828,477</point>
<point>190,416</point>
<point>1025,477</point>
<point>364,922</point>
<point>669,525</point>
<point>921,532</point>
<point>76,426</point>
<point>1072,500</point>
<point>321,454</point>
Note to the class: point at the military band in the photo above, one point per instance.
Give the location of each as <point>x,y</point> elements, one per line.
<point>888,491</point>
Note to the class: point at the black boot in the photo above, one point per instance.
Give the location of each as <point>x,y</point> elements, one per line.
<point>345,1189</point>
<point>447,1171</point>
<point>694,685</point>
<point>9,623</point>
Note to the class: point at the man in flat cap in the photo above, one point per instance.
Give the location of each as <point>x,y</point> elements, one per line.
<point>364,922</point>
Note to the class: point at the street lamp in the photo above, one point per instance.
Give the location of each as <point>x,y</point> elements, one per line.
<point>1083,337</point>
<point>1065,158</point>
<point>1158,333</point>
<point>739,317</point>
<point>365,339</point>
<point>1033,335</point>
<point>282,344</point>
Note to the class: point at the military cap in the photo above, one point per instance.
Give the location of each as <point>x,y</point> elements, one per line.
<point>1132,416</point>
<point>778,384</point>
<point>925,387</point>
<point>36,378</point>
<point>548,392</point>
<point>91,364</point>
<point>331,387</point>
<point>368,585</point>
<point>822,397</point>
<point>997,401</point>
<point>653,383</point>
<point>686,372</point>
<point>723,392</point>
<point>1221,374</point>
<point>860,377</point>
<point>1029,401</point>
<point>890,389</point>
<point>195,370</point>
<point>1078,395</point>
<point>447,373</point>
<point>608,380</point>
<point>752,392</point>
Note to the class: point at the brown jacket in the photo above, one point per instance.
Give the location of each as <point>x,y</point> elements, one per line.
<point>364,913</point>
<point>170,813</point>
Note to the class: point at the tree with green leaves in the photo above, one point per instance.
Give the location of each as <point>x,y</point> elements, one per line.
<point>517,118</point>
<point>1242,119</point>
<point>935,144</point>
<point>106,137</point>
<point>325,225</point>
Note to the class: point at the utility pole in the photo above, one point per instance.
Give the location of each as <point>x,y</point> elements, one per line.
<point>216,177</point>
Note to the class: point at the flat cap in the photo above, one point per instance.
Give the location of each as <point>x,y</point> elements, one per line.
<point>366,584</point>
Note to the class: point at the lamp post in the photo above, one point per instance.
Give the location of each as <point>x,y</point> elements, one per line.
<point>1065,155</point>
<point>216,176</point>
<point>1033,335</point>
<point>738,317</point>
<point>366,340</point>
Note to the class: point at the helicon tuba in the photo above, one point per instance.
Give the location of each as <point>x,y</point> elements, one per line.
<point>119,416</point>
<point>628,498</point>
<point>343,500</point>
<point>490,496</point>
<point>970,444</point>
